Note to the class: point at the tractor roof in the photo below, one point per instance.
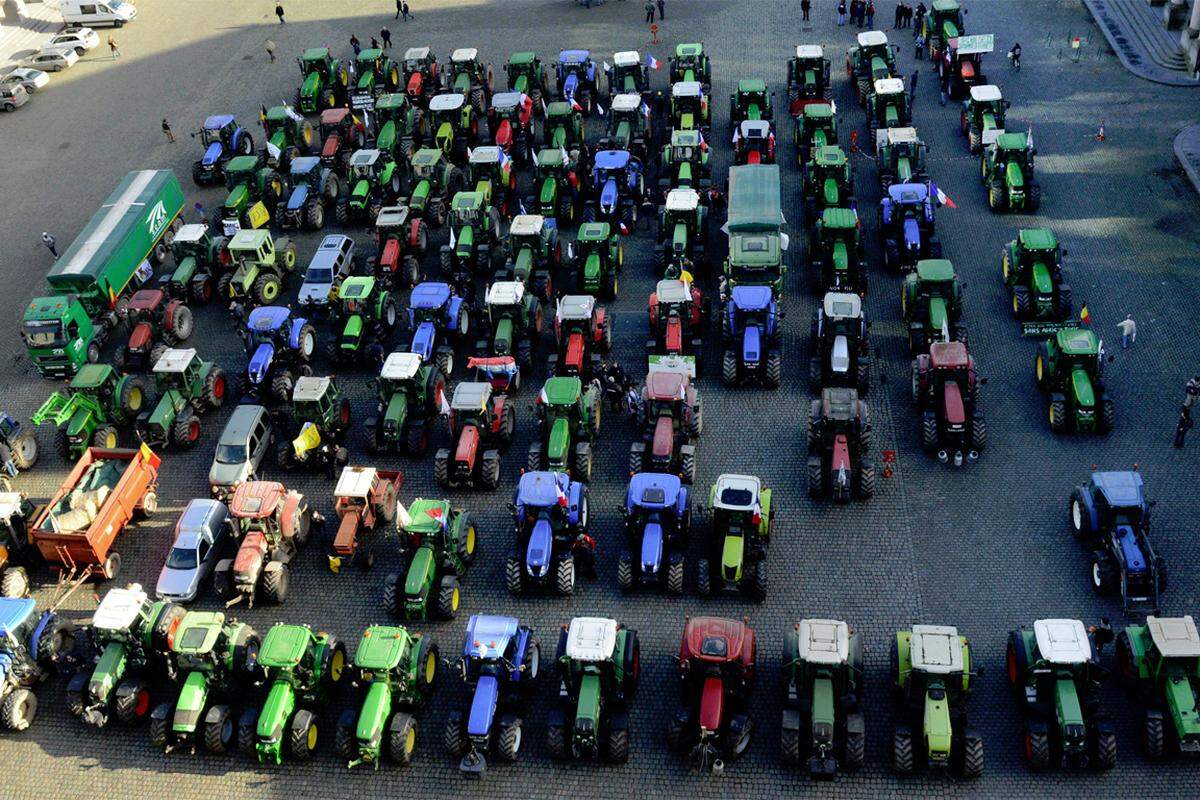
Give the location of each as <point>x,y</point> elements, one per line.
<point>387,102</point>
<point>752,298</point>
<point>591,639</point>
<point>562,390</point>
<point>1037,239</point>
<point>488,154</point>
<point>752,85</point>
<point>120,608</point>
<point>687,89</point>
<point>689,49</point>
<point>466,201</point>
<point>198,632</point>
<point>524,57</point>
<point>426,156</point>
<point>674,291</point>
<point>839,218</point>
<point>987,93</point>
<point>1012,141</point>
<point>1175,637</point>
<point>541,489</point>
<point>310,388</point>
<point>945,6</point>
<point>936,649</point>
<point>935,269</point>
<point>810,51</point>
<point>314,53</point>
<point>392,217</point>
<point>90,376</point>
<point>559,108</point>
<point>381,647</point>
<point>908,193</point>
<point>736,492</point>
<point>13,613</point>
<point>146,299</point>
<point>818,111</point>
<point>1078,342</point>
<point>487,635</point>
<point>665,385</point>
<point>471,396</point>
<point>829,156</point>
<point>576,306</point>
<point>174,360</point>
<point>505,293</point>
<point>333,116</point>
<point>364,158</point>
<point>305,164</point>
<point>1121,489</point>
<point>416,53</point>
<point>627,102</point>
<point>715,639</point>
<point>685,138</point>
<point>241,164</point>
<point>627,58</point>
<point>464,54</point>
<point>872,39</point>
<point>824,641</point>
<point>268,318</point>
<point>550,157</point>
<point>400,366</point>
<point>574,56</point>
<point>427,516</point>
<point>754,129</point>
<point>214,122</point>
<point>356,287</point>
<point>683,200</point>
<point>249,239</point>
<point>191,233</point>
<point>355,482</point>
<point>446,102</point>
<point>842,305</point>
<point>902,135</point>
<point>594,232</point>
<point>284,645</point>
<point>429,294</point>
<point>889,86</point>
<point>839,403</point>
<point>612,159</point>
<point>369,54</point>
<point>948,355</point>
<point>527,225</point>
<point>1062,641</point>
<point>278,113</point>
<point>506,100</point>
<point>654,489</point>
<point>256,499</point>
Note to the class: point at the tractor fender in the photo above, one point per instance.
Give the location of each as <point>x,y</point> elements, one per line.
<point>455,305</point>
<point>294,333</point>
<point>293,513</point>
<point>1058,397</point>
<point>791,719</point>
<point>1037,725</point>
<point>223,567</point>
<point>414,232</point>
<point>498,412</point>
<point>161,712</point>
<point>169,313</point>
<point>1089,507</point>
<point>576,500</point>
<point>681,503</point>
<point>687,450</point>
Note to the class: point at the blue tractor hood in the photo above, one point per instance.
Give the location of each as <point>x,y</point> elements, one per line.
<point>751,345</point>
<point>212,154</point>
<point>1121,489</point>
<point>609,195</point>
<point>570,86</point>
<point>267,318</point>
<point>298,197</point>
<point>429,295</point>
<point>652,548</point>
<point>14,612</point>
<point>537,553</point>
<point>653,490</point>
<point>260,363</point>
<point>483,706</point>
<point>912,234</point>
<point>1131,551</point>
<point>423,340</point>
<point>751,298</point>
<point>488,636</point>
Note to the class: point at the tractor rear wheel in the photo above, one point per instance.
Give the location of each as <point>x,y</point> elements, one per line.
<point>1058,416</point>
<point>816,477</point>
<point>1108,414</point>
<point>455,735</point>
<point>513,578</point>
<point>862,374</point>
<point>814,374</point>
<point>20,707</point>
<point>402,738</point>
<point>275,585</point>
<point>1104,574</point>
<point>996,196</point>
<point>1037,750</point>
<point>489,472</point>
<point>703,578</point>
<point>303,735</point>
<point>449,597</point>
<point>185,432</point>
<point>902,750</point>
<point>688,469</point>
<point>1062,301</point>
<point>582,467</point>
<point>675,571</point>
<point>1020,302</point>
<point>635,461</point>
<point>267,288</point>
<point>441,468</point>
<point>617,744</point>
<point>214,387</point>
<point>677,729</point>
<point>1033,200</point>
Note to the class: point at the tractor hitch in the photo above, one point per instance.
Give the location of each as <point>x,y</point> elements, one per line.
<point>473,764</point>
<point>823,767</point>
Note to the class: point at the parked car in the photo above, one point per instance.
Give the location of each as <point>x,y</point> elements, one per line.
<point>201,536</point>
<point>52,59</point>
<point>331,264</point>
<point>241,449</point>
<point>31,79</point>
<point>13,97</point>
<point>79,39</point>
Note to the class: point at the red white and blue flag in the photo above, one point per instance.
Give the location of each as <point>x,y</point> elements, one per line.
<point>652,62</point>
<point>943,198</point>
<point>560,494</point>
<point>624,228</point>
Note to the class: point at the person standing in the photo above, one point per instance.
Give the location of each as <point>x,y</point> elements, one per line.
<point>649,11</point>
<point>912,87</point>
<point>662,5</point>
<point>374,43</point>
<point>404,11</point>
<point>1191,391</point>
<point>898,19</point>
<point>48,240</point>
<point>112,47</point>
<point>355,44</point>
<point>841,13</point>
<point>918,16</point>
<point>279,13</point>
<point>270,46</point>
<point>1184,425</point>
<point>870,13</point>
<point>386,36</point>
<point>166,128</point>
<point>1014,55</point>
<point>805,7</point>
<point>1128,330</point>
<point>944,86</point>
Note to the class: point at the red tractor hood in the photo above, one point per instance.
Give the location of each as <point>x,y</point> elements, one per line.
<point>468,445</point>
<point>712,704</point>
<point>141,336</point>
<point>330,148</point>
<point>664,437</point>
<point>953,404</point>
<point>674,337</point>
<point>251,552</point>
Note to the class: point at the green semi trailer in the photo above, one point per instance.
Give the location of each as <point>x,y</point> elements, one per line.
<point>112,257</point>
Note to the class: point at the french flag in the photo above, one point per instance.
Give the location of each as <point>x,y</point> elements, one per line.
<point>623,228</point>
<point>652,62</point>
<point>943,198</point>
<point>560,494</point>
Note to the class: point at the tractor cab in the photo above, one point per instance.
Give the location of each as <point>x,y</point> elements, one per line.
<point>526,75</point>
<point>870,60</point>
<point>317,401</point>
<point>685,159</point>
<point>807,77</point>
<point>452,123</point>
<point>961,63</point>
<point>591,650</point>
<point>1012,151</point>
<point>934,678</point>
<point>983,115</point>
<point>468,75</point>
<point>901,156</point>
<point>575,75</point>
<point>738,504</point>
<point>505,300</point>
<point>660,500</point>
<point>561,406</point>
<point>669,398</point>
<point>629,74</point>
<point>936,297</point>
<point>888,106</point>
<point>557,185</point>
<point>842,327</point>
<point>580,326</point>
<point>178,370</point>
<point>689,106</point>
<point>756,260</point>
<point>816,127</point>
<point>510,120</point>
<point>754,143</point>
<point>628,125</point>
<point>751,101</point>
<point>829,180</point>
<point>421,78</point>
<point>945,25</point>
<point>690,63</point>
<point>563,126</point>
<point>677,300</point>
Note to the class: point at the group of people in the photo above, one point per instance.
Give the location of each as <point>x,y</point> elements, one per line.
<point>905,15</point>
<point>384,34</point>
<point>862,13</point>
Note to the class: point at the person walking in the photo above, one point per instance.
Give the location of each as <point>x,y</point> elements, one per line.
<point>805,7</point>
<point>1128,330</point>
<point>912,86</point>
<point>279,13</point>
<point>386,36</point>
<point>919,47</point>
<point>1014,55</point>
<point>662,5</point>
<point>870,13</point>
<point>374,43</point>
<point>48,240</point>
<point>649,11</point>
<point>399,10</point>
<point>355,44</point>
<point>944,86</point>
<point>404,11</point>
<point>1183,426</point>
<point>112,47</point>
<point>841,13</point>
<point>270,47</point>
<point>166,128</point>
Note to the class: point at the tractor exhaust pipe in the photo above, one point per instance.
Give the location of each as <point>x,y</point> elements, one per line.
<point>973,455</point>
<point>943,456</point>
<point>958,458</point>
<point>718,767</point>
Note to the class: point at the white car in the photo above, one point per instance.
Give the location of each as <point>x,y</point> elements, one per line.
<point>52,60</point>
<point>80,39</point>
<point>31,79</point>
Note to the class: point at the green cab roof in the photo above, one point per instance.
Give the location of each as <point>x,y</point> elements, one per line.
<point>935,269</point>
<point>818,110</point>
<point>466,201</point>
<point>752,85</point>
<point>381,647</point>
<point>357,286</point>
<point>392,100</point>
<point>1038,239</point>
<point>249,239</point>
<point>562,391</point>
<point>198,632</point>
<point>594,231</point>
<point>277,114</point>
<point>315,54</point>
<point>830,156</point>
<point>91,376</point>
<point>284,646</point>
<point>370,54</point>
<point>527,57</point>
<point>1078,342</point>
<point>426,156</point>
<point>241,164</point>
<point>945,6</point>
<point>420,518</point>
<point>841,218</point>
<point>549,157</point>
<point>1012,141</point>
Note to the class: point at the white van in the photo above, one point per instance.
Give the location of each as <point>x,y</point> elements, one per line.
<point>98,12</point>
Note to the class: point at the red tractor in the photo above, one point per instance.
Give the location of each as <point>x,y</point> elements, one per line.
<point>716,675</point>
<point>422,79</point>
<point>156,324</point>
<point>341,135</point>
<point>839,435</point>
<point>481,425</point>
<point>583,333</point>
<point>946,389</point>
<point>670,423</point>
<point>677,313</point>
<point>364,500</point>
<point>402,242</point>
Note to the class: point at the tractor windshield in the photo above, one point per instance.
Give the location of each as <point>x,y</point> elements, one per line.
<point>43,333</point>
<point>208,136</point>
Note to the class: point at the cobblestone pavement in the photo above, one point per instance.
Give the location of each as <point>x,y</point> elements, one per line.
<point>984,547</point>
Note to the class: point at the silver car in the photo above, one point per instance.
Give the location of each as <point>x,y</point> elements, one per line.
<point>331,264</point>
<point>201,536</point>
<point>240,450</point>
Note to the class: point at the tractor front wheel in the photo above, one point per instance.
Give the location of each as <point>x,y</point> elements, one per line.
<point>343,735</point>
<point>455,736</point>
<point>19,709</point>
<point>1037,750</point>
<point>402,738</point>
<point>218,729</point>
<point>902,751</point>
<point>303,735</point>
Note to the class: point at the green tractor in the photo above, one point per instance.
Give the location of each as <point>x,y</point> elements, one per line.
<point>822,709</point>
<point>629,74</point>
<point>739,530</point>
<point>527,75</point>
<point>828,182</point>
<point>599,662</point>
<point>1160,663</point>
<point>807,78</point>
<point>289,136</point>
<point>682,234</point>
<point>491,173</point>
<point>374,181</point>
<point>1054,671</point>
<point>214,661</point>
<point>263,264</point>
<point>945,23</point>
<point>377,74</point>
<point>437,545</point>
<point>870,60</point>
<point>200,259</point>
<point>690,109</point>
<point>629,126</point>
<point>690,63</point>
<point>1033,274</point>
<point>684,163</point>
<point>816,128</point>
<point>1069,370</point>
<point>595,260</point>
<point>983,116</point>
<point>326,81</point>
<point>568,426</point>
<point>395,673</point>
<point>901,157</point>
<point>131,636</point>
<point>474,236</point>
<point>455,126</point>
<point>557,186</point>
<point>1006,166</point>
<point>932,677</point>
<point>255,189</point>
<point>931,305</point>
<point>401,124</point>
<point>564,128</point>
<point>751,101</point>
<point>187,387</point>
<point>471,78</point>
<point>435,181</point>
<point>887,107</point>
<point>838,260</point>
<point>317,424</point>
<point>302,671</point>
<point>515,324</point>
<point>534,253</point>
<point>366,312</point>
<point>96,404</point>
<point>410,396</point>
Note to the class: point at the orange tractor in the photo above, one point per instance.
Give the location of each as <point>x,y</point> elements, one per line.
<point>365,500</point>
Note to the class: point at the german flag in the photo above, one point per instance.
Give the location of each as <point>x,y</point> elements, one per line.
<point>1085,316</point>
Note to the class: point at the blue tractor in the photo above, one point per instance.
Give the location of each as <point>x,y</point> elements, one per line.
<point>32,646</point>
<point>750,330</point>
<point>437,316</point>
<point>280,349</point>
<point>500,661</point>
<point>617,190</point>
<point>1111,516</point>
<point>315,189</point>
<point>906,225</point>
<point>223,139</point>
<point>550,516</point>
<point>575,76</point>
<point>658,521</point>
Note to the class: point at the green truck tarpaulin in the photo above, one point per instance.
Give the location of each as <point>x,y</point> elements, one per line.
<point>754,200</point>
